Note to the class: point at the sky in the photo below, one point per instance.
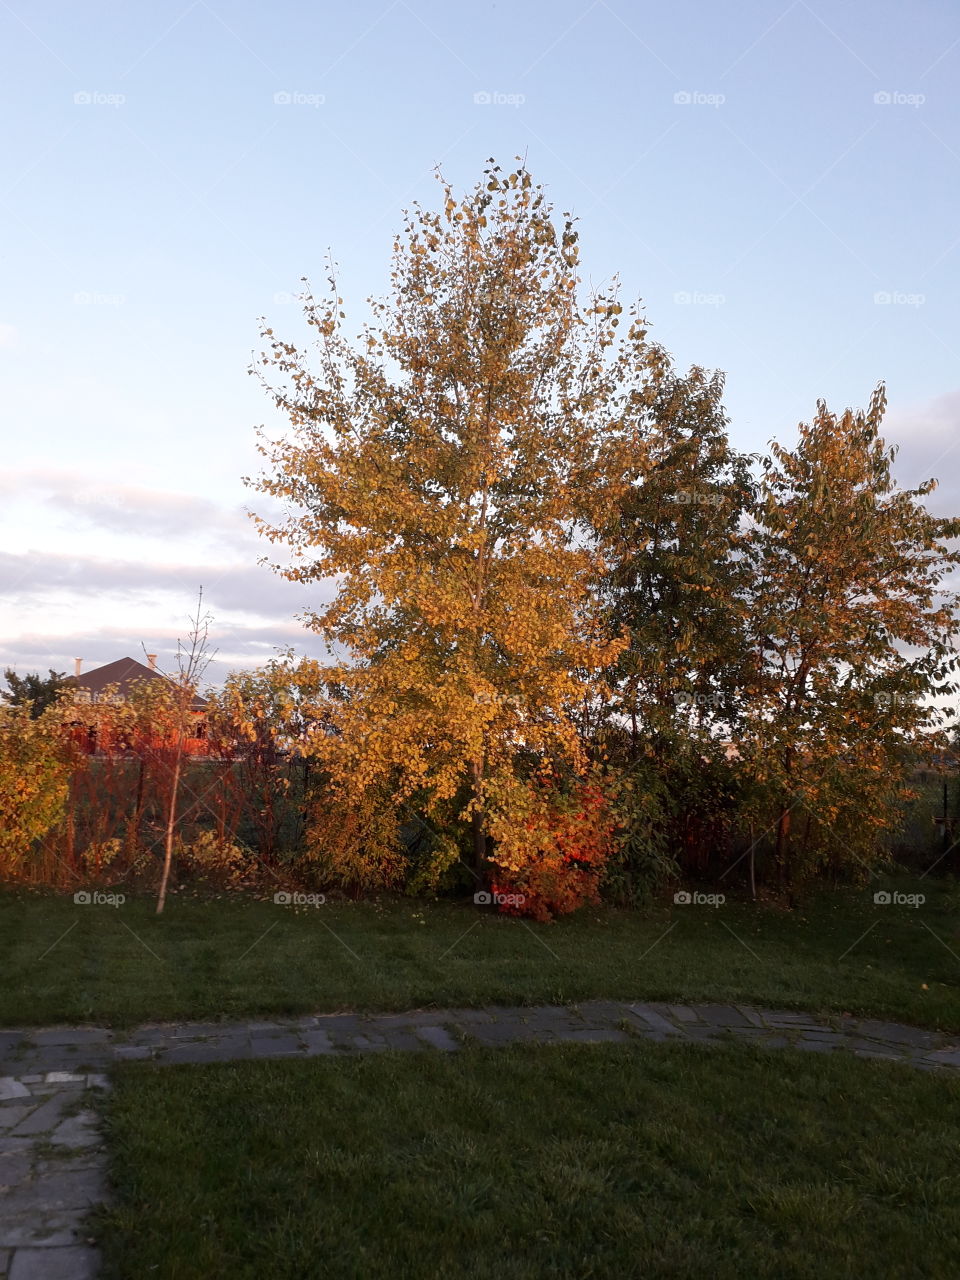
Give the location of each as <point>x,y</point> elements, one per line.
<point>778,182</point>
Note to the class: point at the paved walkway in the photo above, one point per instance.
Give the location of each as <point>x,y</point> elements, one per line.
<point>52,1157</point>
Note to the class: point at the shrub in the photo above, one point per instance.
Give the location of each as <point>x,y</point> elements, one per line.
<point>35,766</point>
<point>551,843</point>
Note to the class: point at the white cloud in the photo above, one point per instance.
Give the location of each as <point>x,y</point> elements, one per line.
<point>928,436</point>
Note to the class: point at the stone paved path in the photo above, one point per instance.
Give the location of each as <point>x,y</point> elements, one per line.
<point>51,1175</point>
<point>51,1155</point>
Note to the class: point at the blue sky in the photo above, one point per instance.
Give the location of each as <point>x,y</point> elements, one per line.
<point>778,182</point>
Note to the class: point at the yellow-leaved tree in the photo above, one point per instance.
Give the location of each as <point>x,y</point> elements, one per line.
<point>443,473</point>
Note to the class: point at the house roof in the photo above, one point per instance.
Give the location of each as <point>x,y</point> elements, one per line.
<point>123,673</point>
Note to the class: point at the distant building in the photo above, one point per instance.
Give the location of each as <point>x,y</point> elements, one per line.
<point>123,673</point>
<point>114,681</point>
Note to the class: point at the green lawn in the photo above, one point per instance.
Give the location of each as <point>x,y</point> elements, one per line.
<point>573,1161</point>
<point>228,957</point>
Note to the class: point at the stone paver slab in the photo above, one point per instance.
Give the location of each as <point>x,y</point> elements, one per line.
<point>67,1037</point>
<point>206,1051</point>
<point>54,1230</point>
<point>55,1192</point>
<point>46,1116</point>
<point>721,1015</point>
<point>650,1019</point>
<point>592,1035</point>
<point>318,1042</point>
<point>11,1088</point>
<point>897,1034</point>
<point>950,1057</point>
<point>14,1169</point>
<point>12,1114</point>
<point>277,1046</point>
<point>682,1013</point>
<point>438,1038</point>
<point>77,1131</point>
<point>71,1263</point>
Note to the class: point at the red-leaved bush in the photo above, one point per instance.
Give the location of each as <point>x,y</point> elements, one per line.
<point>551,846</point>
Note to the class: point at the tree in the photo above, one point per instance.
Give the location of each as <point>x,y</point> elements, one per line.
<point>677,574</point>
<point>33,690</point>
<point>35,765</point>
<point>444,474</point>
<point>851,635</point>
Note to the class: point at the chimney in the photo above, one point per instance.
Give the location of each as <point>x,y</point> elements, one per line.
<point>152,660</point>
<point>77,664</point>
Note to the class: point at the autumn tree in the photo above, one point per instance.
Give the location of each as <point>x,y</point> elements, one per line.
<point>443,473</point>
<point>677,577</point>
<point>33,690</point>
<point>36,760</point>
<point>676,586</point>
<point>852,633</point>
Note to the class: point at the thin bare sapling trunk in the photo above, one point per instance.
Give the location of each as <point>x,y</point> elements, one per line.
<point>192,660</point>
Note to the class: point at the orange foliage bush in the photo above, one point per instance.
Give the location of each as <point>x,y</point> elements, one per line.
<point>551,850</point>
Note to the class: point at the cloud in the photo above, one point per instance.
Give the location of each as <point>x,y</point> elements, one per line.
<point>248,589</point>
<point>234,646</point>
<point>131,510</point>
<point>928,436</point>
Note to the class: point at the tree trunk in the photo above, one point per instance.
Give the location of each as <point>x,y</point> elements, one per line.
<point>171,822</point>
<point>477,823</point>
<point>783,840</point>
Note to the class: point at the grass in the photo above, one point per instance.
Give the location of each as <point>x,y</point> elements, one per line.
<point>515,1164</point>
<point>230,957</point>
